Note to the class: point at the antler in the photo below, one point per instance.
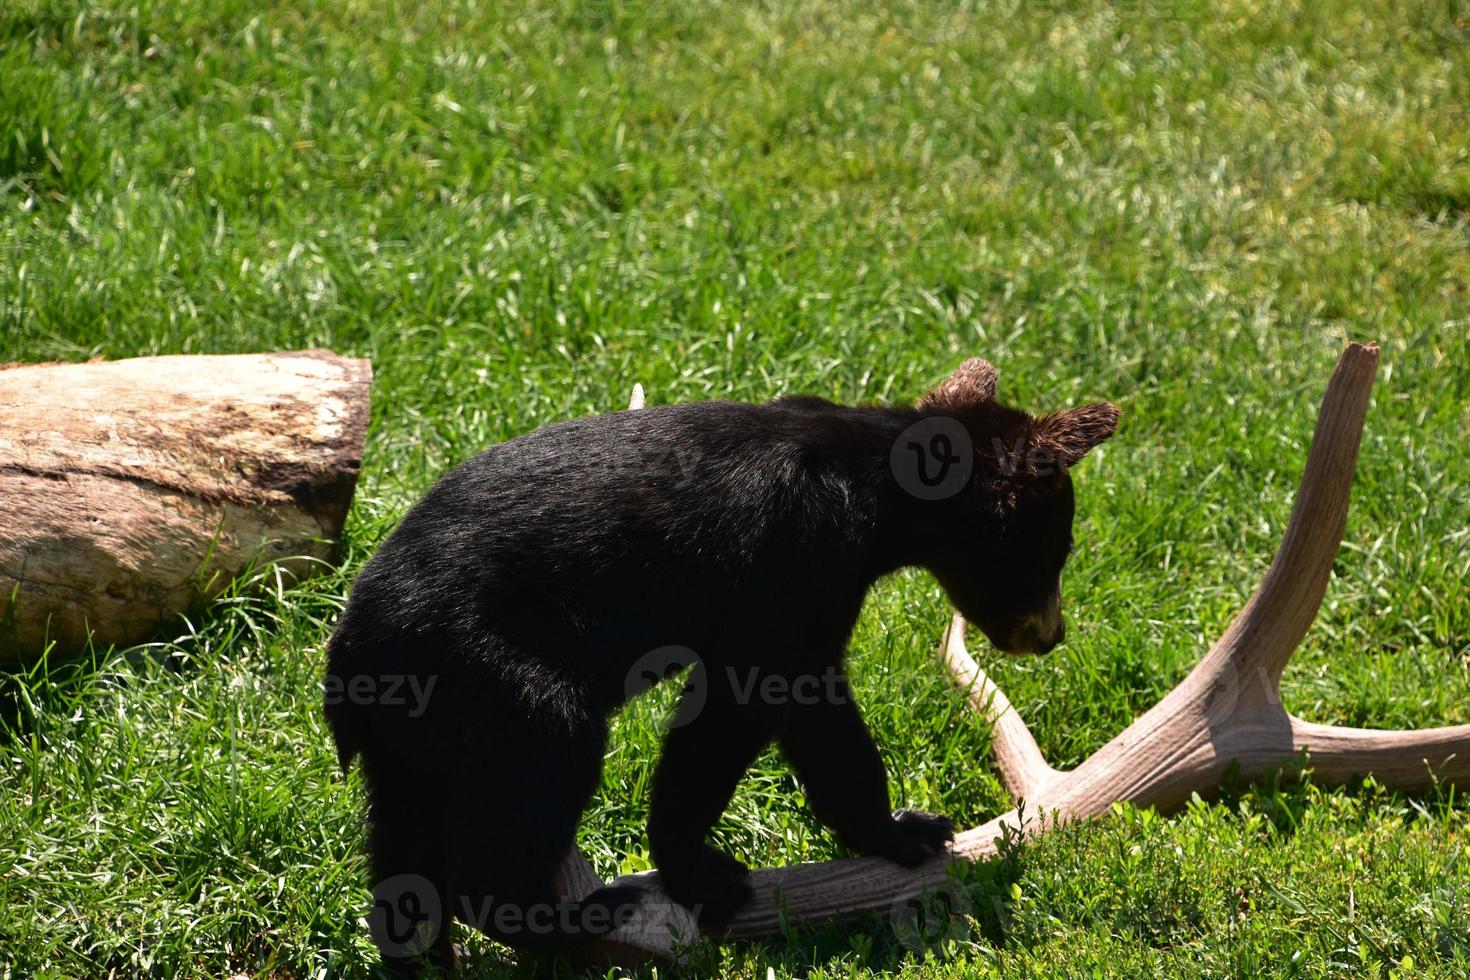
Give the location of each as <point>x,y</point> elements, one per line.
<point>1226,712</point>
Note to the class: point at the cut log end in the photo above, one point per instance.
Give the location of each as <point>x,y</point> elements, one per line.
<point>141,487</point>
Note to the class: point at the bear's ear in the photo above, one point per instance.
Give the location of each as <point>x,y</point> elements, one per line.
<point>1067,436</point>
<point>972,383</point>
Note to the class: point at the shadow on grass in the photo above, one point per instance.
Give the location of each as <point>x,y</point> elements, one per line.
<point>254,603</point>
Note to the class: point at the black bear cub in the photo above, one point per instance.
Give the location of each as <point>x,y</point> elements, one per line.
<point>523,598</point>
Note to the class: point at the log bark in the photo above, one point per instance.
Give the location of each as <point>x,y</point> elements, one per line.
<point>132,490</point>
<point>1226,713</point>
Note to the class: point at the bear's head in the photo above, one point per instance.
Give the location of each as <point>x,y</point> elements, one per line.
<point>1008,524</point>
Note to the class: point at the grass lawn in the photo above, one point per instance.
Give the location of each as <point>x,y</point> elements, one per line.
<point>517,209</point>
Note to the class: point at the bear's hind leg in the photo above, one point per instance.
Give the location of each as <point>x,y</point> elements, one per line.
<point>407,812</point>
<point>516,813</point>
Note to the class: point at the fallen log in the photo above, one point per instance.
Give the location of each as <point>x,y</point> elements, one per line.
<point>1226,714</point>
<point>132,490</point>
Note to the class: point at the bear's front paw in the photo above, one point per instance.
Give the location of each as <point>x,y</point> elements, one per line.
<point>713,886</point>
<point>609,908</point>
<point>915,837</point>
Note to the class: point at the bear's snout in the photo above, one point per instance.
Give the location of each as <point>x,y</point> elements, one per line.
<point>1039,632</point>
<point>1034,637</point>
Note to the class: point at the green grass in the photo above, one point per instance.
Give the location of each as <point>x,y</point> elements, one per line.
<point>517,209</point>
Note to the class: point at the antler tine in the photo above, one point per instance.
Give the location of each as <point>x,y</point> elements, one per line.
<point>1273,623</point>
<point>1023,769</point>
<point>1412,760</point>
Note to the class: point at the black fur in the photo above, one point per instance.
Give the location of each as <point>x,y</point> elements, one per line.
<point>531,580</point>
